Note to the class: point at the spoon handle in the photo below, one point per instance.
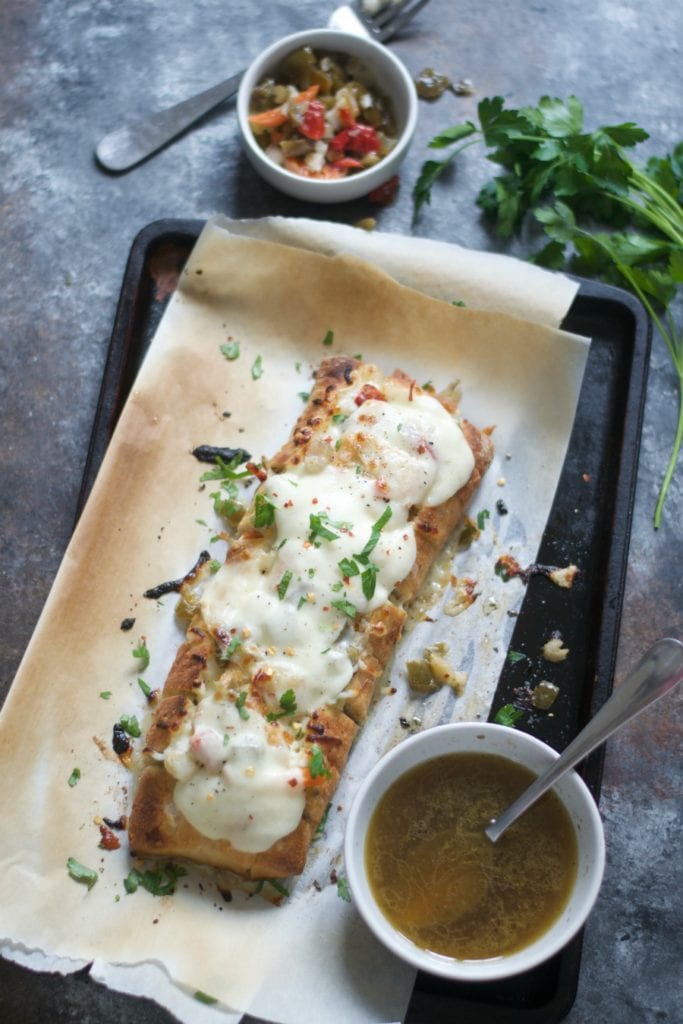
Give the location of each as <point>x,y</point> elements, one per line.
<point>660,669</point>
<point>127,146</point>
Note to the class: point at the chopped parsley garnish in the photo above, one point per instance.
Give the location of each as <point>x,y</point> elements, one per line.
<point>264,512</point>
<point>348,567</point>
<point>105,694</point>
<point>214,565</point>
<point>74,777</point>
<point>226,470</point>
<point>159,881</point>
<point>319,529</point>
<point>508,715</point>
<point>329,338</point>
<point>369,580</point>
<point>231,350</point>
<point>130,724</point>
<point>304,395</point>
<point>227,652</point>
<point>345,607</point>
<point>316,764</point>
<point>80,873</point>
<point>284,583</point>
<point>278,886</point>
<point>142,652</point>
<point>374,534</point>
<point>239,704</point>
<point>482,517</point>
<point>202,997</point>
<point>257,368</point>
<point>145,687</point>
<point>343,889</point>
<point>514,656</point>
<point>339,417</point>
<point>287,703</point>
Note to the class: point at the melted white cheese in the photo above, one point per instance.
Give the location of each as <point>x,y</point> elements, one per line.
<point>343,541</point>
<point>235,780</point>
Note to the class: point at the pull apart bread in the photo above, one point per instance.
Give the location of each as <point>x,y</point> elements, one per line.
<point>290,636</point>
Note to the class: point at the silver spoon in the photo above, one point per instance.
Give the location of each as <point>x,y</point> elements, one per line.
<point>660,669</point>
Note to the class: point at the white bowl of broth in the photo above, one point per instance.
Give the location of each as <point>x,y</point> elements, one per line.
<point>435,890</point>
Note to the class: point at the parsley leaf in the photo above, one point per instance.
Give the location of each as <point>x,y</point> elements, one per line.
<point>345,607</point>
<point>482,517</point>
<point>159,881</point>
<point>239,704</point>
<point>231,350</point>
<point>603,214</point>
<point>74,777</point>
<point>329,338</point>
<point>142,652</point>
<point>316,764</point>
<point>264,512</point>
<point>130,724</point>
<point>257,368</point>
<point>508,715</point>
<point>374,534</point>
<point>287,703</point>
<point>284,583</point>
<point>319,529</point>
<point>343,891</point>
<point>80,873</point>
<point>226,653</point>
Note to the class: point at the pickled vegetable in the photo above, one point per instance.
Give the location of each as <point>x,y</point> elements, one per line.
<point>321,116</point>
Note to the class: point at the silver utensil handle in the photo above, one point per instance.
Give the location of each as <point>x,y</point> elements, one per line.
<point>660,669</point>
<point>127,146</point>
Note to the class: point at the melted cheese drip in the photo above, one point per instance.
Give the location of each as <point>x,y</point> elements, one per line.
<point>291,607</point>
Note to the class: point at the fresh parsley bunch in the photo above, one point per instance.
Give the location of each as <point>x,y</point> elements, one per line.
<point>604,216</point>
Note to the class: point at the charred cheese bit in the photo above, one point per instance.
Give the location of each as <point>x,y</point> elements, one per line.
<point>343,539</point>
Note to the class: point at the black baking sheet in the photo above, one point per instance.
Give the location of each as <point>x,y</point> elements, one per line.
<point>589,525</point>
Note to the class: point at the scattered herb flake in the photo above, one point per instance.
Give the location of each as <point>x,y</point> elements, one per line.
<point>508,715</point>
<point>343,891</point>
<point>482,517</point>
<point>202,997</point>
<point>257,368</point>
<point>264,512</point>
<point>105,694</point>
<point>329,338</point>
<point>319,529</point>
<point>142,652</point>
<point>130,724</point>
<point>316,764</point>
<point>515,656</point>
<point>145,687</point>
<point>159,881</point>
<point>80,873</point>
<point>74,777</point>
<point>304,395</point>
<point>239,704</point>
<point>284,583</point>
<point>374,534</point>
<point>231,350</point>
<point>345,607</point>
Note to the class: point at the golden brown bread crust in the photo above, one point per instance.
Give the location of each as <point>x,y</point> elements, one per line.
<point>156,828</point>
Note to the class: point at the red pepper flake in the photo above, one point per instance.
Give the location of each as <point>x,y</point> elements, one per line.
<point>108,841</point>
<point>367,392</point>
<point>257,471</point>
<point>292,782</point>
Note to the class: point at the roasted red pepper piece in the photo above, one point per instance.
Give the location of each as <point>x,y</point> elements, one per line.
<point>359,138</point>
<point>313,122</point>
<point>386,193</point>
